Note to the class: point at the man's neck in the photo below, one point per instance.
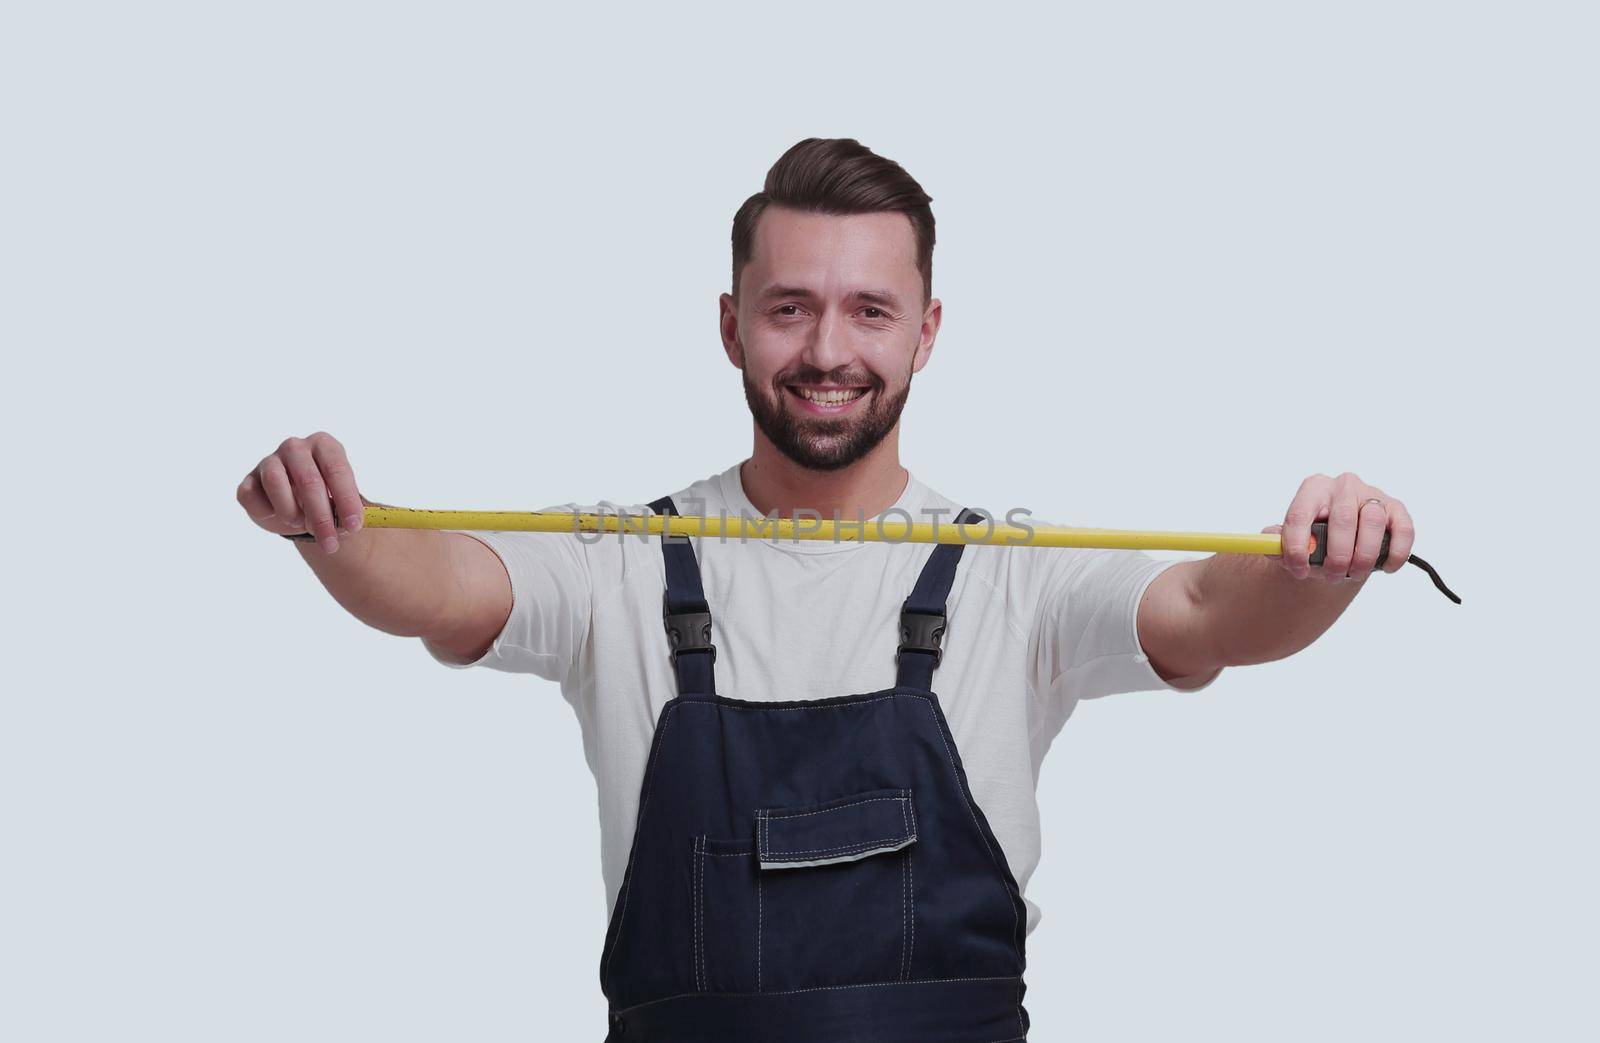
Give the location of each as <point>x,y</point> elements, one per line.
<point>865,489</point>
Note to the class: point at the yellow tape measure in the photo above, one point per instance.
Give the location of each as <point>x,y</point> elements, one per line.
<point>877,530</point>
<point>880,530</point>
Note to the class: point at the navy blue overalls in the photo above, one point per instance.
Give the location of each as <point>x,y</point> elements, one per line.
<point>813,870</point>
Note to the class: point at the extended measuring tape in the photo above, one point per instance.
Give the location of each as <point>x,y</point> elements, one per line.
<point>879,530</point>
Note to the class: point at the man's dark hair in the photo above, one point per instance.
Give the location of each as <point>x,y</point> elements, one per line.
<point>838,176</point>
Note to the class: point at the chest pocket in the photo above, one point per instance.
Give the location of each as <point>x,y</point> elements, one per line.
<point>823,894</point>
<point>844,830</point>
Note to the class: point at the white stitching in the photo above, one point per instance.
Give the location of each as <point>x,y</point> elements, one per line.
<point>705,981</point>
<point>802,814</point>
<point>913,873</point>
<point>698,884</point>
<point>704,903</point>
<point>661,740</point>
<point>902,919</point>
<point>766,816</point>
<point>779,856</point>
<point>694,910</point>
<point>911,892</point>
<point>699,916</point>
<point>758,932</point>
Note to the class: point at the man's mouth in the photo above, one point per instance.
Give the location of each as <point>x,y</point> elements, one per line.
<point>826,400</point>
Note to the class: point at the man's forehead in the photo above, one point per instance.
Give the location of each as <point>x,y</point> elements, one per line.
<point>829,253</point>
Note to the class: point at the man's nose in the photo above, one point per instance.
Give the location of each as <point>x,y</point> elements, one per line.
<point>828,347</point>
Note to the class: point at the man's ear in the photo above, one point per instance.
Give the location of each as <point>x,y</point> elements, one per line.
<point>728,325</point>
<point>932,315</point>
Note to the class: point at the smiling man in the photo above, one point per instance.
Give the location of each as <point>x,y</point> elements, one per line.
<point>800,839</point>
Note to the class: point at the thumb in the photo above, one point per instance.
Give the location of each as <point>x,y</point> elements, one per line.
<point>1279,558</point>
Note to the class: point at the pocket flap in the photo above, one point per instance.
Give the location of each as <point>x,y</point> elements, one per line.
<point>839,830</point>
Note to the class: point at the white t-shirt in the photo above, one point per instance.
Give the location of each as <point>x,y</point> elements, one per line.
<point>1031,631</point>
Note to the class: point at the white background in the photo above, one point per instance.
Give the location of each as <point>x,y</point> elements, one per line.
<point>1189,255</point>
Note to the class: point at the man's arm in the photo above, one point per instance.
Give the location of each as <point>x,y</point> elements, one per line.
<point>1238,609</point>
<point>444,587</point>
<point>482,602</point>
<point>1233,610</point>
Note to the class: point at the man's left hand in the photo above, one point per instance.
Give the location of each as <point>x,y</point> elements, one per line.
<point>1357,515</point>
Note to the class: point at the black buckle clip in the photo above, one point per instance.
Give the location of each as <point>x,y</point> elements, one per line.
<point>688,632</point>
<point>921,632</point>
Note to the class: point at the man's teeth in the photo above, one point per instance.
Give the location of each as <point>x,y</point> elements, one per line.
<point>831,397</point>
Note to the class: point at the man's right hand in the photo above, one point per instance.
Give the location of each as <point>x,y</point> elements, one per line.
<point>447,588</point>
<point>298,488</point>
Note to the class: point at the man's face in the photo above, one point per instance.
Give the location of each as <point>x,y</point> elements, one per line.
<point>828,328</point>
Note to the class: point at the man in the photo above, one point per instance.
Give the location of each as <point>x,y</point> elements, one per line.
<point>800,839</point>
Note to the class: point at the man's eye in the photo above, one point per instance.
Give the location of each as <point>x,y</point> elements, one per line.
<point>787,309</point>
<point>879,311</point>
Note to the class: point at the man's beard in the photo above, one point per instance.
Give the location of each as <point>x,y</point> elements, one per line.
<point>824,443</point>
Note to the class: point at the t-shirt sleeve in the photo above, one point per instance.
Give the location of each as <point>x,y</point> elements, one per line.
<point>1085,640</point>
<point>550,597</point>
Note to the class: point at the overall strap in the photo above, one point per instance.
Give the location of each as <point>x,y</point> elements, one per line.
<point>922,617</point>
<point>685,613</point>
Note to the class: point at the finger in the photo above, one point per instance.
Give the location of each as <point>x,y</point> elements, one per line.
<point>1372,521</point>
<point>1278,560</point>
<point>1402,536</point>
<point>1309,504</point>
<point>1341,538</point>
<point>253,498</point>
<point>341,480</point>
<point>310,492</point>
<point>274,480</point>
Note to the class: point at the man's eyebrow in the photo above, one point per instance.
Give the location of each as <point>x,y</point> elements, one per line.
<point>786,291</point>
<point>883,297</point>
